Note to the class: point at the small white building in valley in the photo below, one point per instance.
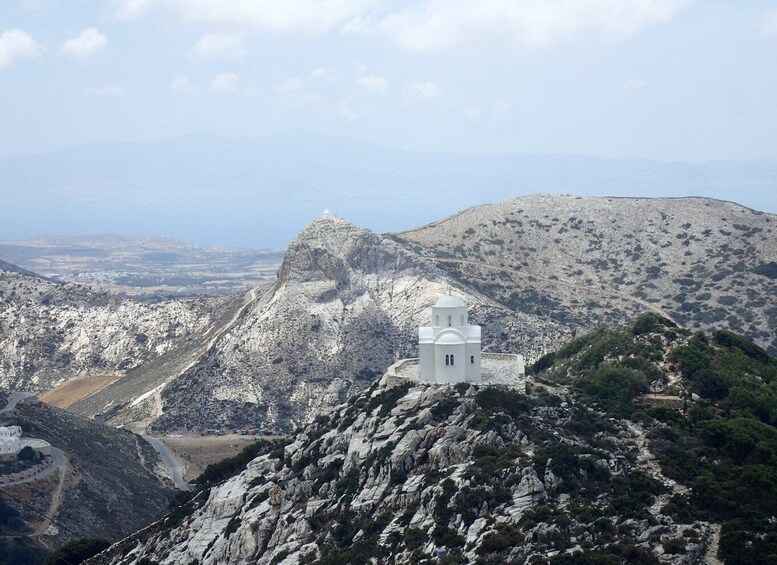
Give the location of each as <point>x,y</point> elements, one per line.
<point>9,440</point>
<point>449,349</point>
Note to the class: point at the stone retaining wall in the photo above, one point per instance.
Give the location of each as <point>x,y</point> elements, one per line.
<point>26,474</point>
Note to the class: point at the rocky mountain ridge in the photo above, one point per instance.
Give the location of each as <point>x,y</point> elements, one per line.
<point>418,473</point>
<point>346,305</point>
<point>51,332</point>
<point>535,270</point>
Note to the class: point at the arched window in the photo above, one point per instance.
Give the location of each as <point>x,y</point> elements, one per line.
<point>450,321</point>
<point>463,321</point>
<point>472,359</point>
<point>437,320</point>
<point>447,359</point>
<point>451,359</point>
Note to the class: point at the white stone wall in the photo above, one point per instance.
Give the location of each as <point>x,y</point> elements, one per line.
<point>455,370</point>
<point>473,371</point>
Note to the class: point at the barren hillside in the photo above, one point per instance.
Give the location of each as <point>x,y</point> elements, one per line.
<point>595,261</point>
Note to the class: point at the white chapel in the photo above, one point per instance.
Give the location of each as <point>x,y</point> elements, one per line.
<point>9,440</point>
<point>449,349</point>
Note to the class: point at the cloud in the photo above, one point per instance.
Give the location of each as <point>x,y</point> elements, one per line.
<point>131,9</point>
<point>422,91</point>
<point>15,46</point>
<point>183,84</point>
<point>768,24</point>
<point>291,85</point>
<point>107,91</point>
<point>346,111</point>
<point>88,43</point>
<point>449,24</point>
<point>225,83</point>
<point>422,25</point>
<point>373,83</point>
<point>320,72</point>
<point>220,46</point>
<point>297,84</point>
<point>222,83</point>
<point>358,26</point>
<point>279,16</point>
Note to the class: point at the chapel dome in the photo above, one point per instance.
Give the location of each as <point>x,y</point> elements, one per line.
<point>449,337</point>
<point>450,301</point>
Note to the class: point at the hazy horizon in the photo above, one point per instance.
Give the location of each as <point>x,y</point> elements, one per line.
<point>390,114</point>
<point>259,192</point>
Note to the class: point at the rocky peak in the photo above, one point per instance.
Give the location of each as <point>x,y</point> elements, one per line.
<point>328,248</point>
<point>346,305</point>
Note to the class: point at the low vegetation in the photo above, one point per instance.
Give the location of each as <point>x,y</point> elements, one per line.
<point>15,544</point>
<point>723,448</point>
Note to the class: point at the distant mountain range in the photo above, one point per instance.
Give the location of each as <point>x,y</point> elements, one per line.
<point>259,192</point>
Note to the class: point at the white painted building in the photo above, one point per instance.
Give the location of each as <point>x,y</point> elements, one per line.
<point>9,440</point>
<point>449,349</point>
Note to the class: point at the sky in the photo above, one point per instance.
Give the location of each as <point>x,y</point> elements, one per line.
<point>671,80</point>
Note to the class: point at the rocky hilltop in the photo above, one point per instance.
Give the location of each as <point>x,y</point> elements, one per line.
<point>346,305</point>
<point>574,465</point>
<point>595,261</point>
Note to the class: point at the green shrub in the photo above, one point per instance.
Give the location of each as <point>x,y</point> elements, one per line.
<point>730,339</point>
<point>614,387</point>
<point>77,551</point>
<point>231,466</point>
<point>443,408</point>
<point>27,454</point>
<point>650,322</point>
<point>387,400</point>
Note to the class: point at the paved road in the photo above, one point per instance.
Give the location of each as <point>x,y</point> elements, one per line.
<point>170,462</point>
<point>57,460</point>
<point>14,399</point>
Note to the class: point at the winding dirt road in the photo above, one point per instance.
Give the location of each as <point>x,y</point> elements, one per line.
<point>56,500</point>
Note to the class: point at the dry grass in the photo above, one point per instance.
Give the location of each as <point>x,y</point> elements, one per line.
<point>67,394</point>
<point>197,452</point>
